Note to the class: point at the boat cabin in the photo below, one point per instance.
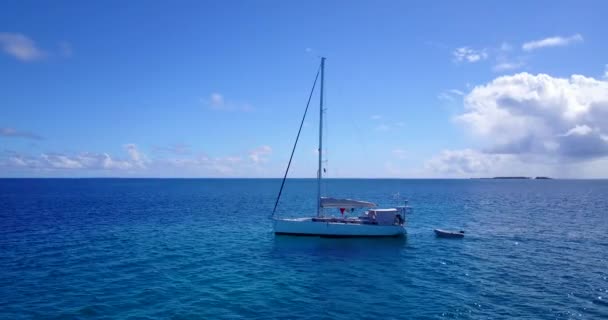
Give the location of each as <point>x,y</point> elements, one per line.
<point>384,216</point>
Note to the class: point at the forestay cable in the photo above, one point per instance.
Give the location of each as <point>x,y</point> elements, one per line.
<point>296,143</point>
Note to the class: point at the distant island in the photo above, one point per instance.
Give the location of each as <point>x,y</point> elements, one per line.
<point>521,178</point>
<point>511,178</point>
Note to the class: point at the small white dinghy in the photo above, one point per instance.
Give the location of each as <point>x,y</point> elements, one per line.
<point>449,234</point>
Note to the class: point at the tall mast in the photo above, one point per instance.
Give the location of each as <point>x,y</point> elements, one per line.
<point>320,171</point>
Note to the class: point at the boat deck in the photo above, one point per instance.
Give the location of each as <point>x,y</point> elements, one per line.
<point>343,220</point>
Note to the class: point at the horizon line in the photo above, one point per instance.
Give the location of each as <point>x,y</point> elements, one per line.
<point>311,178</point>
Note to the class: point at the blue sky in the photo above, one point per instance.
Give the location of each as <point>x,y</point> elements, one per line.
<point>217,88</point>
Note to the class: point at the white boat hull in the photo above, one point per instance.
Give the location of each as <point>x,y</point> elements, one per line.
<point>308,227</point>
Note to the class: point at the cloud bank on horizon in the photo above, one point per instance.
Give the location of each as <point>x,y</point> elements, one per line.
<point>172,163</point>
<point>533,124</point>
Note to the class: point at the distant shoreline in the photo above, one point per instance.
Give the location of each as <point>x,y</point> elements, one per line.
<point>518,178</point>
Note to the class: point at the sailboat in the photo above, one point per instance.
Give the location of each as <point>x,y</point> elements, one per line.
<point>374,222</point>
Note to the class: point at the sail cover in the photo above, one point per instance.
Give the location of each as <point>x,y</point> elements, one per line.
<point>345,203</point>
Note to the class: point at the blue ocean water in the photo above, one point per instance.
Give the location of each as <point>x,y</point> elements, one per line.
<point>204,248</point>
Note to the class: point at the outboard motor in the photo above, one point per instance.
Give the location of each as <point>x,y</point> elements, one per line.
<point>405,209</point>
<point>399,219</point>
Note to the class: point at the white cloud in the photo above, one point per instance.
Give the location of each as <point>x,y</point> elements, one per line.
<point>135,163</point>
<point>223,166</point>
<point>450,95</point>
<point>445,97</point>
<point>20,47</point>
<point>465,161</point>
<point>505,66</point>
<point>376,117</point>
<point>216,101</point>
<point>217,166</point>
<point>606,71</point>
<point>14,133</point>
<point>258,155</point>
<point>470,163</point>
<point>504,59</point>
<point>59,161</point>
<point>137,158</point>
<point>85,160</point>
<point>456,92</point>
<point>469,55</point>
<point>551,42</point>
<point>578,130</point>
<point>530,114</point>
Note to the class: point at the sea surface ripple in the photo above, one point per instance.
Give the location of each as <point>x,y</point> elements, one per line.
<point>204,248</point>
